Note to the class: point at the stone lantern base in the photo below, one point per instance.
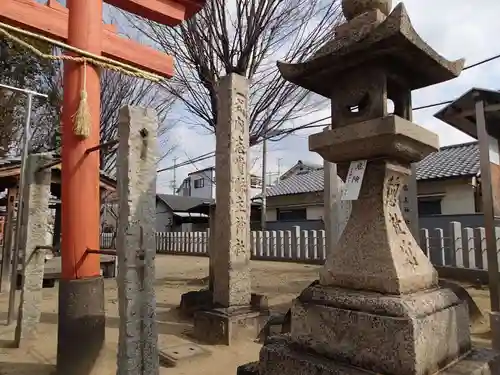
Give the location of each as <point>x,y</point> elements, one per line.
<point>338,331</point>
<point>281,356</point>
<point>362,328</point>
<point>222,326</point>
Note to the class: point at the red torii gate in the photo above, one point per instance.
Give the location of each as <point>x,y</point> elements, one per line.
<point>80,25</point>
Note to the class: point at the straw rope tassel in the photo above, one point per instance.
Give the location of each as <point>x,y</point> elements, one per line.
<point>82,118</point>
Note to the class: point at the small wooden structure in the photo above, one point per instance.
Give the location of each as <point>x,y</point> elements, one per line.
<point>477,113</point>
<point>10,169</point>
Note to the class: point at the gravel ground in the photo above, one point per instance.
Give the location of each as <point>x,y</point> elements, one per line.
<point>175,275</point>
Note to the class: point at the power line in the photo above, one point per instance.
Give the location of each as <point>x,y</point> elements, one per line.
<point>189,161</point>
<point>282,134</point>
<point>174,180</point>
<point>489,59</point>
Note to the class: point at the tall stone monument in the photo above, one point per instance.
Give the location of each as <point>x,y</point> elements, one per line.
<point>378,308</point>
<point>230,248</point>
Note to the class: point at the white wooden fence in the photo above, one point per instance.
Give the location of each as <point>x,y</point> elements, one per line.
<point>291,245</point>
<point>460,247</point>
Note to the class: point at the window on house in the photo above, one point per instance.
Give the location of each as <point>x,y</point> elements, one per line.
<point>199,183</point>
<point>429,206</point>
<point>297,214</point>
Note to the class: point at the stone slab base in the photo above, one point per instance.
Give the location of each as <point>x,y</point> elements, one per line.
<point>194,301</point>
<point>82,323</point>
<point>415,334</point>
<point>200,300</point>
<point>173,355</point>
<point>281,357</point>
<point>222,326</point>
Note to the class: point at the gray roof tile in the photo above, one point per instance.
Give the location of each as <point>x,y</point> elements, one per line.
<point>181,203</point>
<point>302,183</point>
<point>448,162</point>
<point>451,161</point>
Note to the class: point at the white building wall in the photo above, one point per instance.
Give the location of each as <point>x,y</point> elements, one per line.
<point>459,199</point>
<point>315,212</point>
<point>271,214</point>
<point>208,188</point>
<point>457,196</point>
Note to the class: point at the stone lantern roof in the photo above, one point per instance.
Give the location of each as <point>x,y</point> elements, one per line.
<point>370,37</point>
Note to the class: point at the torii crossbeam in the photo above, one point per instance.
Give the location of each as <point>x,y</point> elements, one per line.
<point>81,290</point>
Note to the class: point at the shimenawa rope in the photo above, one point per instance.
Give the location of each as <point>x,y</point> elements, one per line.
<point>82,118</point>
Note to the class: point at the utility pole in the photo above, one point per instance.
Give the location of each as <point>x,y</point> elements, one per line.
<point>6,256</point>
<point>279,167</point>
<point>174,180</point>
<point>264,184</point>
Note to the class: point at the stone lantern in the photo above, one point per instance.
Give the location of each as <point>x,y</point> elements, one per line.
<point>378,307</point>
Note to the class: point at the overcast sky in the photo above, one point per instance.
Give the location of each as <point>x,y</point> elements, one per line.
<point>455,28</point>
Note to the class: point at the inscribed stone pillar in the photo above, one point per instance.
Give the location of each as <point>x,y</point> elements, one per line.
<point>232,233</point>
<point>35,218</point>
<point>136,248</point>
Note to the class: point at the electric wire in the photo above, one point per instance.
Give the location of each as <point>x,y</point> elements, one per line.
<point>314,124</point>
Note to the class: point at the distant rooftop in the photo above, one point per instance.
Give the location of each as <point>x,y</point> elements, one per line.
<point>455,161</point>
<point>450,162</point>
<point>181,203</point>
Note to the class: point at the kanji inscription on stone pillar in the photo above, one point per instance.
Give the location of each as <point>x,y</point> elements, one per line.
<point>231,265</point>
<point>136,241</point>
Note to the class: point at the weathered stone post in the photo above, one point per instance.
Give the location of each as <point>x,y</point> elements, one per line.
<point>36,212</point>
<point>378,307</point>
<point>136,247</point>
<point>232,233</point>
<point>231,251</point>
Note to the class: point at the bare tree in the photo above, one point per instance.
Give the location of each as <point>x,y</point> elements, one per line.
<point>20,68</point>
<point>118,90</point>
<point>245,37</point>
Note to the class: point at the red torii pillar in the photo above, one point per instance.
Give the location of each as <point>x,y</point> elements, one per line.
<point>81,291</point>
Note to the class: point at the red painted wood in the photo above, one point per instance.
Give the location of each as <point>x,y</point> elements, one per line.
<point>166,12</point>
<point>52,21</point>
<point>80,172</point>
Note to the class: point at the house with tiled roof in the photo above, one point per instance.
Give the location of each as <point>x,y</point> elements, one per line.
<point>300,167</point>
<point>447,184</point>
